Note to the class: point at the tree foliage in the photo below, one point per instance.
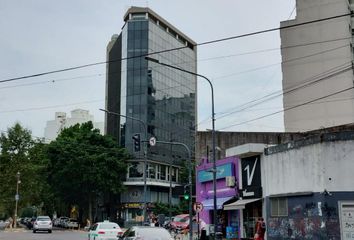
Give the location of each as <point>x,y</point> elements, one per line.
<point>83,164</point>
<point>21,153</point>
<point>163,208</point>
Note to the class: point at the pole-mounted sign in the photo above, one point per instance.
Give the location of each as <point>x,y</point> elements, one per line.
<point>152,141</point>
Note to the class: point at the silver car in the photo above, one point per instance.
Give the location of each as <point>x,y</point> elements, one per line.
<point>43,223</point>
<point>146,233</point>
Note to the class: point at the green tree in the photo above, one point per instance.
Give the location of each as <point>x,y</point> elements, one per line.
<point>163,208</point>
<point>83,164</point>
<point>21,153</point>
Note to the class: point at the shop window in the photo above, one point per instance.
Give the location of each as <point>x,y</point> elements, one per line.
<point>279,207</point>
<point>174,175</point>
<point>152,171</point>
<point>135,170</point>
<point>163,172</point>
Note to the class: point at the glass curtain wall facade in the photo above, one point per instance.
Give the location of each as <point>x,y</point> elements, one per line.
<point>161,97</point>
<point>164,98</point>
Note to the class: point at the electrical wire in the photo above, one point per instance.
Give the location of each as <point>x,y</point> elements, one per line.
<point>178,63</point>
<point>175,49</point>
<point>310,81</point>
<point>287,109</point>
<point>282,62</point>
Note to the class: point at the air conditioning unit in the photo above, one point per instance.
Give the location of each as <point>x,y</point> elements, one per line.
<point>230,181</point>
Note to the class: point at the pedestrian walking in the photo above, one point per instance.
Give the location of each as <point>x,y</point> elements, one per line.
<point>202,227</point>
<point>260,229</point>
<point>11,222</point>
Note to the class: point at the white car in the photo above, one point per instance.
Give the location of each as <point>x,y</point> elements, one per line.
<point>105,231</point>
<point>43,223</point>
<point>72,223</point>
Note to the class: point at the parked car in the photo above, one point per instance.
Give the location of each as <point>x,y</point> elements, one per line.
<point>72,223</point>
<point>29,222</point>
<point>56,222</point>
<point>180,222</point>
<point>62,221</point>
<point>167,223</point>
<point>105,230</point>
<point>42,223</point>
<point>146,233</point>
<point>4,224</point>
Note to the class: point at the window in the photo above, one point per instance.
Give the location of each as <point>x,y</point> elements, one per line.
<point>152,171</point>
<point>162,172</point>
<point>135,170</point>
<point>279,207</point>
<point>138,16</point>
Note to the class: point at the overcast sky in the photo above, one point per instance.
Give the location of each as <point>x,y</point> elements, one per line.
<point>43,35</point>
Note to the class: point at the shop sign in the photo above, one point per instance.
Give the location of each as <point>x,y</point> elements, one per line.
<point>133,205</point>
<point>251,177</point>
<point>222,171</point>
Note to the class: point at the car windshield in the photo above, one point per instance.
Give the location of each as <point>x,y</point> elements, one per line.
<point>109,226</point>
<point>43,219</point>
<point>154,233</point>
<point>179,219</point>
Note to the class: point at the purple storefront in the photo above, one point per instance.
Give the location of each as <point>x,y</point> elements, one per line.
<point>226,191</point>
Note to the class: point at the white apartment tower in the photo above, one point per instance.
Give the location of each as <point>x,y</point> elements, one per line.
<point>317,66</point>
<point>61,121</point>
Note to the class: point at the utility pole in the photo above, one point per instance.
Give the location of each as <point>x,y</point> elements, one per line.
<point>17,197</point>
<point>170,190</point>
<point>145,153</point>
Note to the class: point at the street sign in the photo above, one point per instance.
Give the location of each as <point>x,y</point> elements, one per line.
<point>152,141</point>
<point>198,207</point>
<point>17,197</point>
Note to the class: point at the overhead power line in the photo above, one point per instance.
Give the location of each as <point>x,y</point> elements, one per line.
<point>285,61</point>
<point>183,62</point>
<point>287,109</point>
<point>175,49</point>
<point>312,80</point>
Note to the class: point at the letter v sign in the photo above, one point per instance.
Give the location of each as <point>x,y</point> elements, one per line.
<point>250,176</point>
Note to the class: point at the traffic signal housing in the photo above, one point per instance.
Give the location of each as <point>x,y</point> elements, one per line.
<point>136,142</point>
<point>186,193</point>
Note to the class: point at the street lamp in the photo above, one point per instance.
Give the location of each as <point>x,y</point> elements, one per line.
<point>145,151</point>
<point>17,197</point>
<point>189,183</point>
<point>213,125</point>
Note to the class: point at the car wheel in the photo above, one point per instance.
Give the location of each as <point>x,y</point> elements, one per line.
<point>34,231</point>
<point>49,231</point>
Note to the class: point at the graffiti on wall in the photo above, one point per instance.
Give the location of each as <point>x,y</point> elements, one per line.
<point>303,228</point>
<point>312,220</point>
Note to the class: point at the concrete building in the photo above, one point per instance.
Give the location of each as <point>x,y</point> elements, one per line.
<point>311,187</point>
<point>61,121</point>
<point>162,98</point>
<point>302,188</point>
<point>225,140</point>
<point>317,66</point>
<point>248,205</point>
<point>226,179</point>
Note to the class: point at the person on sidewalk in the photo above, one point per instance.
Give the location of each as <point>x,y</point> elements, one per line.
<point>11,222</point>
<point>260,229</point>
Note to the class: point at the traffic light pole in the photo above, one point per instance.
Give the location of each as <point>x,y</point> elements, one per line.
<point>145,153</point>
<point>189,183</point>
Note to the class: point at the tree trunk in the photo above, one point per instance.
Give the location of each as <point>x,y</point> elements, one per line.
<point>90,208</point>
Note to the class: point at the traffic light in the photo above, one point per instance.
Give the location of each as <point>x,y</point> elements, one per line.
<point>136,142</point>
<point>187,193</point>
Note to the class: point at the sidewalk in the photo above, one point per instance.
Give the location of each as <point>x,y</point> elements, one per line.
<point>15,230</point>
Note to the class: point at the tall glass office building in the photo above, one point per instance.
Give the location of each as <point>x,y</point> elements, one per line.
<point>164,99</point>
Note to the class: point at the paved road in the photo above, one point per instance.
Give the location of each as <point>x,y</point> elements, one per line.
<point>55,235</point>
